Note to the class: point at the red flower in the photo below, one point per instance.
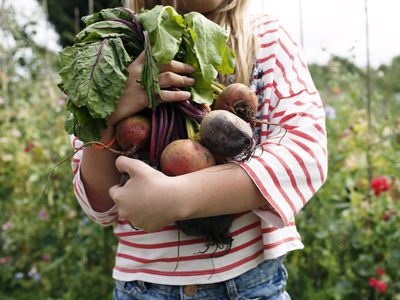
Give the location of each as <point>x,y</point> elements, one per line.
<point>373,282</point>
<point>380,184</point>
<point>381,287</point>
<point>380,271</point>
<point>386,216</point>
<point>29,146</point>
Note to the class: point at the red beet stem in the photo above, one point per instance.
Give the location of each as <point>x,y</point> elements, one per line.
<point>171,126</point>
<point>190,113</point>
<point>153,141</point>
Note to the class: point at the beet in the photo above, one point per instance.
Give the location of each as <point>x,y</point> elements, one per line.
<point>225,134</point>
<point>185,156</point>
<point>238,99</point>
<point>132,132</point>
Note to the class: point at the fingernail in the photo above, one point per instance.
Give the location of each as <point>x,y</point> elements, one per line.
<point>185,94</point>
<point>192,69</point>
<point>191,81</point>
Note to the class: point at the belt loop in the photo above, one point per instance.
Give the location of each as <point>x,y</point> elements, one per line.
<point>231,289</point>
<point>141,286</point>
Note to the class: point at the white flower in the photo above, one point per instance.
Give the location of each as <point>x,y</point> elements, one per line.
<point>16,133</point>
<point>330,112</point>
<point>7,225</point>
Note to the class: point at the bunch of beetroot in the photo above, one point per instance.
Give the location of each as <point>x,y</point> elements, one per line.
<point>212,127</point>
<point>222,134</point>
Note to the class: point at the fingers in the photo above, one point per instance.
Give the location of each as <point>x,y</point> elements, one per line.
<point>129,165</point>
<point>177,67</point>
<point>170,79</point>
<point>174,96</point>
<point>136,65</point>
<point>173,76</point>
<point>112,191</point>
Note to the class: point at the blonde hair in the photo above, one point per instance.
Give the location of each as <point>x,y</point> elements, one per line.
<point>230,16</point>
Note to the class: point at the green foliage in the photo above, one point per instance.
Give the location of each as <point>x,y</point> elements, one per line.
<point>348,235</point>
<point>165,27</point>
<point>48,248</point>
<point>94,69</point>
<point>62,16</point>
<point>90,74</point>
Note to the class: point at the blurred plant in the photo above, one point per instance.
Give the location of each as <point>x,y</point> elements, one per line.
<point>346,236</point>
<point>45,250</point>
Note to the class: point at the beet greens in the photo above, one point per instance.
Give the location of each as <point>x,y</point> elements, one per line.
<point>94,69</point>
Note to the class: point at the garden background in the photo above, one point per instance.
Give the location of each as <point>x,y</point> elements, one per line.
<point>50,250</point>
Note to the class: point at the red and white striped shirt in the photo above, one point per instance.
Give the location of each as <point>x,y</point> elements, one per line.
<point>288,171</point>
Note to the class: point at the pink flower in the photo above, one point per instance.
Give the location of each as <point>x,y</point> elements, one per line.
<point>380,271</point>
<point>7,225</point>
<point>381,287</point>
<point>6,259</point>
<point>373,282</point>
<point>380,184</point>
<point>43,215</point>
<point>61,100</point>
<point>45,257</point>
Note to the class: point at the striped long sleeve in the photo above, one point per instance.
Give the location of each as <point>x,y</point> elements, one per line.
<point>291,164</point>
<point>103,218</point>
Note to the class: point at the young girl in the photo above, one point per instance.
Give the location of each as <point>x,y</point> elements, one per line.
<point>266,192</point>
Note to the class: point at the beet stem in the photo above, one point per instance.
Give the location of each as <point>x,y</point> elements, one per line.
<point>191,114</point>
<point>161,131</point>
<point>153,138</point>
<point>191,107</point>
<point>182,132</point>
<point>171,126</point>
<point>162,140</point>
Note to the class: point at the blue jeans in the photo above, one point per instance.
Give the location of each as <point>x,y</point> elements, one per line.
<point>267,281</point>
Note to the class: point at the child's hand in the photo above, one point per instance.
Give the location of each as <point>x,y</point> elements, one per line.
<point>134,98</point>
<point>147,200</point>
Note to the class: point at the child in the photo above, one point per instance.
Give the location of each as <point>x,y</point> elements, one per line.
<point>158,262</point>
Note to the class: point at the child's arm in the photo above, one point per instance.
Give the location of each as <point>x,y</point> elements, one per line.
<point>151,199</point>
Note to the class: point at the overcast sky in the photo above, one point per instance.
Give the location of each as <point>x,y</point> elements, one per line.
<point>338,26</point>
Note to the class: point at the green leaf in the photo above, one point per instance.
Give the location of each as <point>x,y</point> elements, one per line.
<point>82,125</point>
<point>107,14</point>
<point>113,29</point>
<point>206,49</point>
<point>106,29</point>
<point>149,75</point>
<point>165,28</point>
<point>210,46</point>
<point>94,75</point>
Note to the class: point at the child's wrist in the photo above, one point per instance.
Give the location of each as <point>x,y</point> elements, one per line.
<point>106,135</point>
<point>107,139</point>
<point>184,209</point>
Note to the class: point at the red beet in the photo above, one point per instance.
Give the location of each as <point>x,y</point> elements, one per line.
<point>132,132</point>
<point>185,156</point>
<point>238,99</point>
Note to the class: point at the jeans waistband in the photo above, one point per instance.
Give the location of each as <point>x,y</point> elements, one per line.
<point>262,273</point>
